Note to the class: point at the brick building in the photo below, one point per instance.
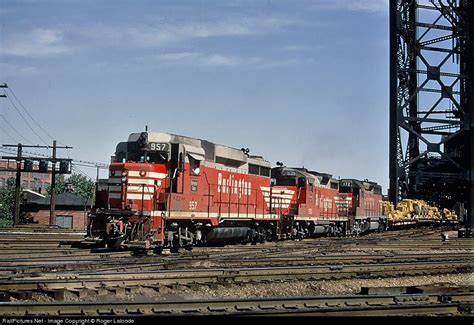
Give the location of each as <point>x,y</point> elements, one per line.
<point>71,210</point>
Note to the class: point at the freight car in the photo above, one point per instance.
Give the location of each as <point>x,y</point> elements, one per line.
<point>172,191</point>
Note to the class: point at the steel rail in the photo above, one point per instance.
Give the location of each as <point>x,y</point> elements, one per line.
<point>355,305</point>
<point>37,258</point>
<point>231,275</point>
<point>61,258</point>
<point>142,264</point>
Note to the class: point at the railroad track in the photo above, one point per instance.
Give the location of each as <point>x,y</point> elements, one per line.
<point>346,251</point>
<point>153,278</point>
<point>123,261</point>
<point>53,259</point>
<point>414,304</point>
<point>46,264</point>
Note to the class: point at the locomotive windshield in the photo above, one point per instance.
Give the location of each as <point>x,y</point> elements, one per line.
<point>288,177</point>
<point>134,152</point>
<point>285,181</point>
<point>349,189</point>
<point>345,189</point>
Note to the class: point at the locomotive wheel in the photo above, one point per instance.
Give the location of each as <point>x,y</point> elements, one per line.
<point>269,235</point>
<point>262,236</point>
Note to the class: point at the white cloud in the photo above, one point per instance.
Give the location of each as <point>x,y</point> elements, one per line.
<point>370,6</point>
<point>298,48</point>
<point>281,63</point>
<point>163,34</point>
<point>219,60</point>
<point>43,42</point>
<point>36,43</point>
<point>200,59</point>
<point>178,56</point>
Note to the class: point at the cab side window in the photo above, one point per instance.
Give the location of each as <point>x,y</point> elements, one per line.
<point>195,166</point>
<point>301,182</point>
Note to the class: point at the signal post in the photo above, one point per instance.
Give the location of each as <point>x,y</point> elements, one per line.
<point>64,168</point>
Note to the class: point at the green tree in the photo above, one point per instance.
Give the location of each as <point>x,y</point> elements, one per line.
<point>83,185</point>
<point>60,185</point>
<point>7,203</point>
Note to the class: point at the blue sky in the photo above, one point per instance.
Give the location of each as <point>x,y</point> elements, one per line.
<point>302,82</point>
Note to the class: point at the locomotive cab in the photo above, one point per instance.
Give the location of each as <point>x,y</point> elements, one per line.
<point>284,176</point>
<point>289,179</point>
<point>137,173</point>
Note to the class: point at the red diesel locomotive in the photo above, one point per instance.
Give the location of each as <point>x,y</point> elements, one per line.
<point>166,190</point>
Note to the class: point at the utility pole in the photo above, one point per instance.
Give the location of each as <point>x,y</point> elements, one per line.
<point>19,157</point>
<point>52,216</point>
<point>29,168</point>
<point>16,217</point>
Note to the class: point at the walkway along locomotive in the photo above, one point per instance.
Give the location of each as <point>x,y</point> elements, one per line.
<point>171,191</point>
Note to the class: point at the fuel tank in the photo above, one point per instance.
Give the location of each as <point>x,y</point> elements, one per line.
<point>228,234</point>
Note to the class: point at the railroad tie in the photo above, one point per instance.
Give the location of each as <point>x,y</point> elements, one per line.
<point>21,295</point>
<point>4,296</point>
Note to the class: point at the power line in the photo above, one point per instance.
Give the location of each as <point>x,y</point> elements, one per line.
<point>76,161</point>
<point>24,108</point>
<point>89,166</point>
<point>95,164</point>
<point>28,124</point>
<point>4,151</point>
<point>74,167</point>
<point>27,112</point>
<point>77,169</point>
<point>29,152</point>
<point>32,118</point>
<point>21,136</point>
<point>8,135</point>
